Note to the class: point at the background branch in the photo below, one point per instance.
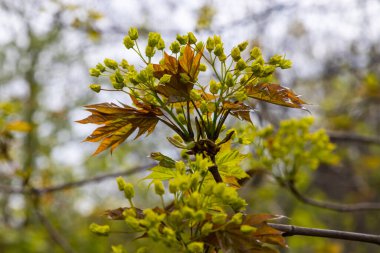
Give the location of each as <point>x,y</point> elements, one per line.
<point>365,206</point>
<point>290,230</point>
<point>53,233</point>
<point>69,185</point>
<point>352,137</point>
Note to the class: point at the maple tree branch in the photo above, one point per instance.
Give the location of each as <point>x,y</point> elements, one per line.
<point>69,185</point>
<point>290,230</point>
<point>352,137</point>
<point>365,206</point>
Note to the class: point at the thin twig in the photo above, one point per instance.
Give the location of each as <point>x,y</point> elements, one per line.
<point>75,184</point>
<point>352,137</point>
<point>365,206</point>
<point>53,233</point>
<point>290,230</point>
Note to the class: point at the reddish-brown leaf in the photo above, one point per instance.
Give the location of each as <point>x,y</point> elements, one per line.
<point>275,94</point>
<point>119,122</point>
<point>178,90</point>
<point>239,110</point>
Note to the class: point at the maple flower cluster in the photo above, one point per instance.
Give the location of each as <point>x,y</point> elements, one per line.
<point>206,213</point>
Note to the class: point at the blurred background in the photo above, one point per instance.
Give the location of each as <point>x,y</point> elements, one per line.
<point>47,47</point>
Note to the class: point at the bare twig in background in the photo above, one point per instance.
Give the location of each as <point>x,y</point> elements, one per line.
<point>75,184</point>
<point>53,233</point>
<point>365,206</point>
<point>352,137</point>
<point>290,230</point>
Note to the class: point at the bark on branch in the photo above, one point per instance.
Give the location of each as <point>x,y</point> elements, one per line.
<point>290,230</point>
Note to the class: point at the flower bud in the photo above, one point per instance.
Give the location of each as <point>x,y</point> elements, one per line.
<point>235,54</point>
<point>222,57</point>
<point>94,72</point>
<point>100,67</point>
<point>150,51</point>
<point>214,86</point>
<point>187,212</point>
<point>192,38</point>
<point>246,229</point>
<point>199,46</point>
<point>217,40</point>
<point>230,80</point>
<point>219,218</point>
<point>121,183</point>
<point>199,216</point>
<point>129,191</point>
<point>255,52</point>
<point>237,218</point>
<point>175,47</point>
<point>202,67</point>
<point>165,78</point>
<point>182,39</point>
<point>161,44</point>
<point>285,64</point>
<point>110,63</point>
<point>133,223</point>
<point>195,247</point>
<point>95,87</point>
<point>268,70</point>
<point>218,50</point>
<point>210,44</point>
<point>119,77</point>
<point>242,46</point>
<point>219,189</point>
<point>159,187</point>
<point>124,64</point>
<point>241,65</point>
<point>173,186</point>
<point>194,95</point>
<point>275,59</point>
<point>118,249</point>
<point>133,33</point>
<point>128,42</point>
<point>206,228</point>
<point>153,39</point>
<point>181,118</point>
<point>99,230</point>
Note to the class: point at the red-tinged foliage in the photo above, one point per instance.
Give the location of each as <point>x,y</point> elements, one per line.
<point>239,110</point>
<point>119,122</point>
<point>178,89</point>
<point>275,94</point>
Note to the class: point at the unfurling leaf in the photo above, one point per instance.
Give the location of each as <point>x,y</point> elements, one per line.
<point>119,122</point>
<point>183,72</point>
<point>275,94</point>
<point>164,160</point>
<point>239,110</point>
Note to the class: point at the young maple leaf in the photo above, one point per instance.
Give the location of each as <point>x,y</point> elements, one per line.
<point>119,122</point>
<point>275,94</point>
<point>239,110</point>
<point>184,73</point>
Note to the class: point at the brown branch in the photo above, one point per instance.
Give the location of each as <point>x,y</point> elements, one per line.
<point>365,206</point>
<point>290,230</point>
<point>69,185</point>
<point>352,137</point>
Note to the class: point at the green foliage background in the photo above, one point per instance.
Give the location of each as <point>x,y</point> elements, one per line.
<point>42,64</point>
